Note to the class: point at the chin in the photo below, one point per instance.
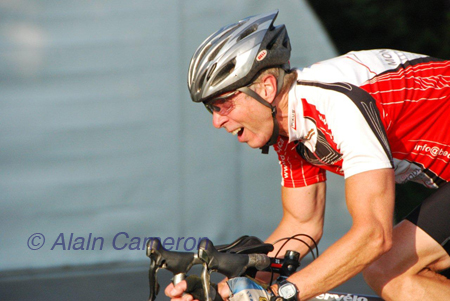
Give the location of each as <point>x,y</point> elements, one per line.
<point>256,144</point>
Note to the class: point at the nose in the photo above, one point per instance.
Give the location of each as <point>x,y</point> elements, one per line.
<point>219,120</point>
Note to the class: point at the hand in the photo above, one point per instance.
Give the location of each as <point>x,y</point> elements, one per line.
<point>175,292</point>
<point>192,289</point>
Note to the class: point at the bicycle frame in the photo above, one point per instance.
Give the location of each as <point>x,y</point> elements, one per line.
<point>345,297</point>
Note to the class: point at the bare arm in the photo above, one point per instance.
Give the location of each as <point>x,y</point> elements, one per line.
<point>370,201</point>
<point>303,212</point>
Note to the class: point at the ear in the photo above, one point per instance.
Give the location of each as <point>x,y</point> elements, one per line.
<point>269,87</point>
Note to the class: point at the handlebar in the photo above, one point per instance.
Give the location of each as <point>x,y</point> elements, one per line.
<point>226,263</point>
<point>179,263</point>
<point>229,264</point>
<point>229,261</point>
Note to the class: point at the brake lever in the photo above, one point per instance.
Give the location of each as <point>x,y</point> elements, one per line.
<point>206,282</point>
<point>176,262</point>
<point>152,280</point>
<point>230,265</point>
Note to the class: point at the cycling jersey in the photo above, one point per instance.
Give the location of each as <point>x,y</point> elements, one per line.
<point>369,110</point>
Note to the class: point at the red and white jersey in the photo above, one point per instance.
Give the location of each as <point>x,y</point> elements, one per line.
<point>369,110</point>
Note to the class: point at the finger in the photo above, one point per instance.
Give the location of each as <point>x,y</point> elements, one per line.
<point>174,291</point>
<point>168,289</point>
<point>179,299</point>
<point>223,290</point>
<point>185,297</point>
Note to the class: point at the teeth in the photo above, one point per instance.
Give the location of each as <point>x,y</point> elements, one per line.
<point>236,131</point>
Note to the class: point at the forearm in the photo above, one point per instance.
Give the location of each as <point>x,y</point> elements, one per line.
<point>286,229</point>
<point>309,220</point>
<point>370,201</point>
<point>340,262</point>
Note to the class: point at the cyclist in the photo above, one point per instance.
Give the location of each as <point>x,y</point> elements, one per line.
<point>377,117</point>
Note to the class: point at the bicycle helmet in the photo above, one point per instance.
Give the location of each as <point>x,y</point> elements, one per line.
<point>233,57</point>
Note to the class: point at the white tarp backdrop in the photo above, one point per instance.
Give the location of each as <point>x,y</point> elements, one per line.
<point>98,135</point>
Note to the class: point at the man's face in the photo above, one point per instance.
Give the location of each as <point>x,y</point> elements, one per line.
<point>245,117</point>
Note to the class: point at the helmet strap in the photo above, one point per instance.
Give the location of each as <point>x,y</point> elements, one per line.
<point>276,129</point>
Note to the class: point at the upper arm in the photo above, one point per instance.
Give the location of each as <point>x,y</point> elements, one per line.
<point>370,200</point>
<point>303,205</point>
<point>303,212</point>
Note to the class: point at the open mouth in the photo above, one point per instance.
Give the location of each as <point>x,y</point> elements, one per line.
<point>237,131</point>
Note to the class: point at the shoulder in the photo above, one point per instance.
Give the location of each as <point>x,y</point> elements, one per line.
<point>356,67</point>
<point>295,171</point>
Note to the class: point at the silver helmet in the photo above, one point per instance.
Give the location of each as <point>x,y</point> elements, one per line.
<point>235,55</point>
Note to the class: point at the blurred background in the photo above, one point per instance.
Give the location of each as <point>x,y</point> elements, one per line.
<point>98,135</point>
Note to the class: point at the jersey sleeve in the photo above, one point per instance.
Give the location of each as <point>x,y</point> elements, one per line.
<point>295,171</point>
<point>357,129</point>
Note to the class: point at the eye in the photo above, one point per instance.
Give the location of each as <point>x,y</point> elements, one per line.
<point>215,108</point>
<point>222,105</point>
<point>211,108</point>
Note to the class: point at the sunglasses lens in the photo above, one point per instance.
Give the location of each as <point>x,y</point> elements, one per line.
<point>222,105</point>
<point>211,108</point>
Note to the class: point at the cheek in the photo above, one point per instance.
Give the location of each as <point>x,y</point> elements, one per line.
<point>252,115</point>
<point>257,112</point>
<point>262,120</point>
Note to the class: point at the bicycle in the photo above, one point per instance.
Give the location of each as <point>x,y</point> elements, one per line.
<point>243,257</point>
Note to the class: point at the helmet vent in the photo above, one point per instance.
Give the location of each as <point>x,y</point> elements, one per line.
<point>224,72</point>
<point>233,27</point>
<point>273,42</point>
<point>202,54</point>
<point>200,82</point>
<point>211,71</point>
<point>248,32</point>
<point>213,55</point>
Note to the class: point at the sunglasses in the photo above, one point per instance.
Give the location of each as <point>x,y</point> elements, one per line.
<point>222,105</point>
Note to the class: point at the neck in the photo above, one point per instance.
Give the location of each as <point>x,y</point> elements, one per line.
<point>282,114</point>
<point>282,103</point>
